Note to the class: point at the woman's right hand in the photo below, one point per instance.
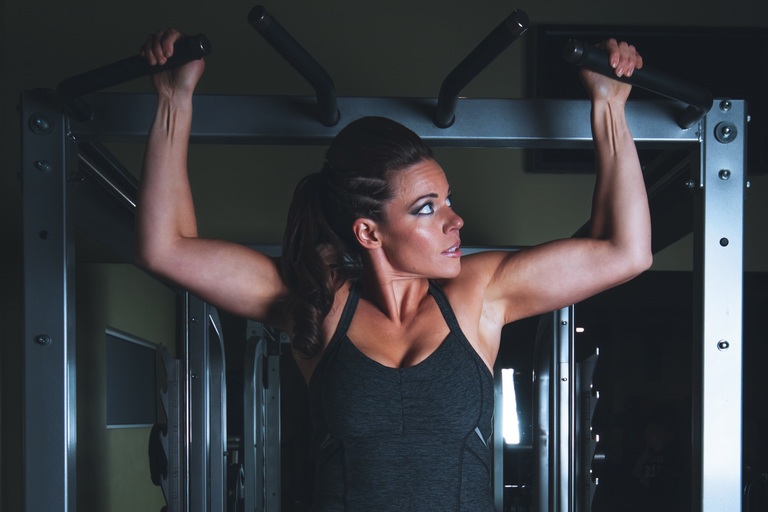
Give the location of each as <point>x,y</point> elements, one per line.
<point>182,80</point>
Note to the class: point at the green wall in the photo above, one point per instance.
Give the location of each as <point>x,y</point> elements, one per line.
<point>112,464</point>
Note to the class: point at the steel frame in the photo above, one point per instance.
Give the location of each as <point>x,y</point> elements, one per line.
<point>206,407</point>
<point>55,204</point>
<point>554,414</point>
<point>261,444</point>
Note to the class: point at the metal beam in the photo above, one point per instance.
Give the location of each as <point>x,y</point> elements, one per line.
<point>718,278</point>
<point>50,424</point>
<point>286,120</point>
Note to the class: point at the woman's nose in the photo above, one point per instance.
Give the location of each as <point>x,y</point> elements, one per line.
<point>454,222</point>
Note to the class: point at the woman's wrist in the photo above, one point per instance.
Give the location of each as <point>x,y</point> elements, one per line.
<point>175,99</point>
<point>174,115</point>
<point>612,104</point>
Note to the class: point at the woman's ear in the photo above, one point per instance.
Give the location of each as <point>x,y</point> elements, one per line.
<point>366,232</point>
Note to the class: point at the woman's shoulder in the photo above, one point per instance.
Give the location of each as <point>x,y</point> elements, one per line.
<point>465,292</point>
<point>479,268</point>
<point>485,281</point>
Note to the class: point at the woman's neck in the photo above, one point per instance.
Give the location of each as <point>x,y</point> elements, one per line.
<point>397,298</point>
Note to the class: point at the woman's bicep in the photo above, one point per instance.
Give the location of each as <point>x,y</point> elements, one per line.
<point>227,275</point>
<point>556,274</point>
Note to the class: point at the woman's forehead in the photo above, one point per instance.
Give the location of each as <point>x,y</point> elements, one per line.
<point>422,177</point>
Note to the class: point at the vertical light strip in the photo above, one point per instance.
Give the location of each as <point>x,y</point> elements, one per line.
<point>509,400</point>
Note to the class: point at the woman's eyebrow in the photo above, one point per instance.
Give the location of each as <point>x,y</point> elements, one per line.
<point>432,195</point>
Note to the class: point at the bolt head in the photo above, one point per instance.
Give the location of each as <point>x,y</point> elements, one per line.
<point>43,165</point>
<point>43,339</point>
<point>40,124</point>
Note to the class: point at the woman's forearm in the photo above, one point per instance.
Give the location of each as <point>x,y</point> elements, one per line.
<point>620,204</point>
<point>165,208</point>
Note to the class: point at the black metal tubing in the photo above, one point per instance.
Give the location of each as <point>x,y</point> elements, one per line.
<point>508,31</point>
<point>69,90</point>
<point>291,50</point>
<point>699,99</point>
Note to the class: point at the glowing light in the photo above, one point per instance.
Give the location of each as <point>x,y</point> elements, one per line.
<point>579,329</point>
<point>511,425</point>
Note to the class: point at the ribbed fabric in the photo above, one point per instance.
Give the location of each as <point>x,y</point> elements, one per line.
<point>402,439</point>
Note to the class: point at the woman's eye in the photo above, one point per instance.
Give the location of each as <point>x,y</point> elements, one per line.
<point>426,209</point>
<point>449,202</point>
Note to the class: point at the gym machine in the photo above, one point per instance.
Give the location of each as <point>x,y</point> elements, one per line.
<point>62,136</point>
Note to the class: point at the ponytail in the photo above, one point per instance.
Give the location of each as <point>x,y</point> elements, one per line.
<point>315,263</point>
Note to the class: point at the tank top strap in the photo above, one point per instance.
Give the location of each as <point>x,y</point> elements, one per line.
<point>445,306</point>
<point>341,331</point>
<point>347,313</point>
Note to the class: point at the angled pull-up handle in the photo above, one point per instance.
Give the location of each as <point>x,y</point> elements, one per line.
<point>184,50</point>
<point>297,57</point>
<point>507,32</point>
<point>698,99</point>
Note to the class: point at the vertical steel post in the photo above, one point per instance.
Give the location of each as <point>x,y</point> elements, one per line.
<point>253,439</point>
<point>554,413</point>
<point>217,391</point>
<point>262,419</point>
<point>198,405</point>
<point>718,278</point>
<point>272,476</point>
<point>50,422</point>
<point>563,408</point>
<point>207,408</point>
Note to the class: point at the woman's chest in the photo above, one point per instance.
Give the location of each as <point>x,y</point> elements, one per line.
<point>446,394</point>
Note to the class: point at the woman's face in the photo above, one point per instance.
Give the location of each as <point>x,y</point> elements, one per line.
<point>420,235</point>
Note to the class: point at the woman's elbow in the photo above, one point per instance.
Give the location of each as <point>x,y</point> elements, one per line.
<point>639,262</point>
<point>149,257</point>
<point>143,259</point>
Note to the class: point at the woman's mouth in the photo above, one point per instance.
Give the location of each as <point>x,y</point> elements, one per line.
<point>454,251</point>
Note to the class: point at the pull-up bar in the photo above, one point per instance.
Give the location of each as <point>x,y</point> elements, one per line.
<point>507,32</point>
<point>69,90</point>
<point>281,40</point>
<point>699,100</point>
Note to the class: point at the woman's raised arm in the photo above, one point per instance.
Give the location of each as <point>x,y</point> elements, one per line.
<point>563,272</point>
<point>228,275</point>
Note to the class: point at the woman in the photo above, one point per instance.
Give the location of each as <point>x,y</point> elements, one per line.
<point>395,332</point>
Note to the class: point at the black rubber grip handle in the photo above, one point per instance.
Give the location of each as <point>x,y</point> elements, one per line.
<point>698,99</point>
<point>184,50</point>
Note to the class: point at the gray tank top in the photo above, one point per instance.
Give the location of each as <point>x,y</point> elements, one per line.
<point>402,439</point>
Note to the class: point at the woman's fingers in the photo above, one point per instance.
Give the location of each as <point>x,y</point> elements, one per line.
<point>623,57</point>
<point>158,47</point>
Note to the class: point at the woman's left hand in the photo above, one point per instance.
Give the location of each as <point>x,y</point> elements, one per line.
<point>624,59</point>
